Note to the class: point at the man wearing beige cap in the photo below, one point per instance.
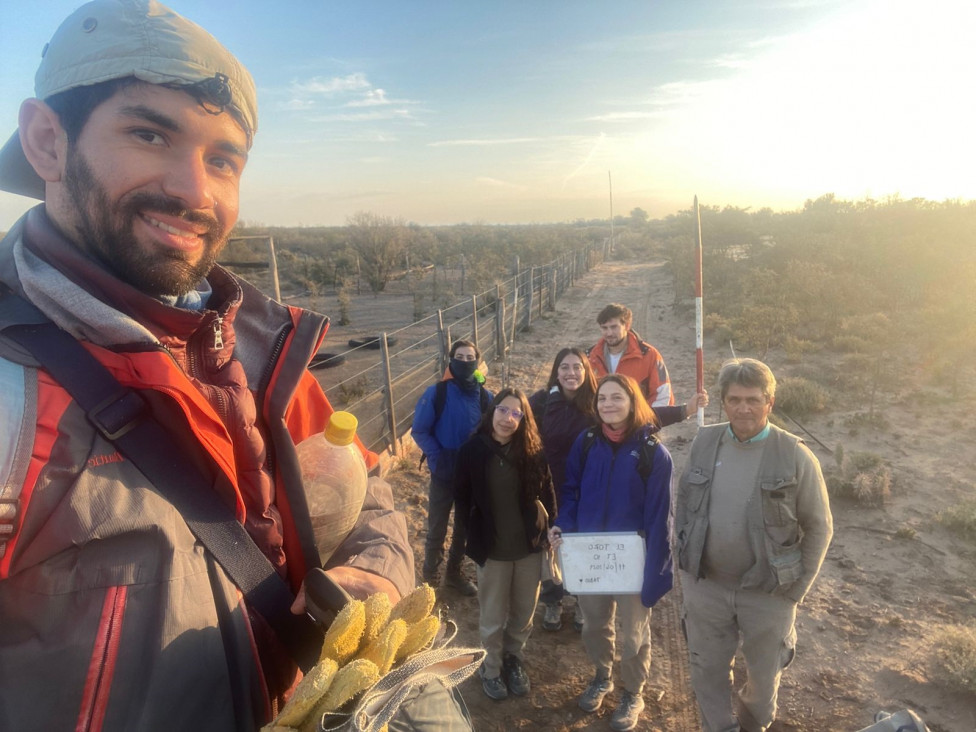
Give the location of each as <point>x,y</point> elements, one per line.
<point>114,613</point>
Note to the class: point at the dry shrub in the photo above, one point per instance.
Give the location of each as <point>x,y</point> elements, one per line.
<point>864,478</point>
<point>850,344</point>
<point>960,519</point>
<point>955,653</point>
<point>799,397</point>
<point>352,390</point>
<point>715,325</point>
<point>797,348</point>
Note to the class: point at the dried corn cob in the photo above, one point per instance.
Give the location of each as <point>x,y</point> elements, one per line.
<point>308,692</point>
<point>352,679</point>
<point>377,614</point>
<point>343,637</point>
<point>416,606</point>
<point>383,650</point>
<point>419,636</point>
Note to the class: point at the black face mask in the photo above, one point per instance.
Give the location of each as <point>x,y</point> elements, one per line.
<point>463,370</point>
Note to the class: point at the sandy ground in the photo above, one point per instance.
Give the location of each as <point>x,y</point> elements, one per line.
<point>864,630</point>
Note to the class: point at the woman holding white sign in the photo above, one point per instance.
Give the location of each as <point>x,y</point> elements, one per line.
<point>504,493</point>
<point>618,479</point>
<point>562,410</point>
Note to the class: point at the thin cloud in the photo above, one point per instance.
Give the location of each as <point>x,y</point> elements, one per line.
<point>372,98</point>
<point>597,144</point>
<point>495,183</point>
<point>483,142</point>
<point>404,114</point>
<point>624,116</point>
<point>331,86</point>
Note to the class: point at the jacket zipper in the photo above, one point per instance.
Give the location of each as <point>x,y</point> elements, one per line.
<point>101,668</point>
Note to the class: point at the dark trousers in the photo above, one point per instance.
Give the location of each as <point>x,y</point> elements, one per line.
<point>439,503</point>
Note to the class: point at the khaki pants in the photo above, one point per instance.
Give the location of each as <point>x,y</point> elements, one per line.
<point>507,595</point>
<point>715,618</point>
<point>599,634</point>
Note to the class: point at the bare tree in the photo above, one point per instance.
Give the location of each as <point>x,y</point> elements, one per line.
<point>380,242</point>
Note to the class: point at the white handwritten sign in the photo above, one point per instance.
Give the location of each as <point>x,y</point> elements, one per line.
<point>606,563</point>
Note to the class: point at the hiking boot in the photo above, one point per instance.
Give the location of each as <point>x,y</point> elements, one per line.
<point>457,581</point>
<point>553,619</point>
<point>515,676</point>
<point>627,713</point>
<point>578,619</point>
<point>592,699</point>
<point>494,688</point>
<point>432,578</point>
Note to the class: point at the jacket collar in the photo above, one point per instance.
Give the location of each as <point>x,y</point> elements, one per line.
<point>90,302</point>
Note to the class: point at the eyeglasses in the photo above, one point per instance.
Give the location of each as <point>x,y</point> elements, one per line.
<point>509,412</point>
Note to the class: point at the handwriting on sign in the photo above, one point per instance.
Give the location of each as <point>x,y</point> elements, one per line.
<point>605,563</point>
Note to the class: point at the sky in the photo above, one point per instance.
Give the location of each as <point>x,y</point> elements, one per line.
<point>523,111</point>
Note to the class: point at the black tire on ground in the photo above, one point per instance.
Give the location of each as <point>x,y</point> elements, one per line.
<point>372,342</point>
<point>327,360</point>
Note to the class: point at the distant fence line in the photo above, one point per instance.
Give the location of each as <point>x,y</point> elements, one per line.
<point>383,391</point>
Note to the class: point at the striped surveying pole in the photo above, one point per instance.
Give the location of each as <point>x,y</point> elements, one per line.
<point>699,353</point>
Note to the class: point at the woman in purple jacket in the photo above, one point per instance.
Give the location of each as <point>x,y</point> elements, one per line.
<point>562,410</point>
<point>618,478</point>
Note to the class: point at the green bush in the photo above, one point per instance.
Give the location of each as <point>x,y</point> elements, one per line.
<point>799,397</point>
<point>960,519</point>
<point>955,653</point>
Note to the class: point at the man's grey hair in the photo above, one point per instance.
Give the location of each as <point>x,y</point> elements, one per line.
<point>746,372</point>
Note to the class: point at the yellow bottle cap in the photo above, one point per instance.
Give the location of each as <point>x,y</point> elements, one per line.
<point>341,428</point>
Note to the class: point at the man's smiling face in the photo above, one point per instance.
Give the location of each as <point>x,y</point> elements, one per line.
<point>152,186</point>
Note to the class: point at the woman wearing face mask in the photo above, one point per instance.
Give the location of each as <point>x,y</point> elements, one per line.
<point>446,415</point>
<point>619,479</point>
<point>562,410</point>
<point>504,492</point>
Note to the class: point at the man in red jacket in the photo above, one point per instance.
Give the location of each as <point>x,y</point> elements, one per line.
<point>134,146</point>
<point>621,351</point>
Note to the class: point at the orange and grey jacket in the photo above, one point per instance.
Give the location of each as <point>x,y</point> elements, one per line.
<point>640,361</point>
<point>113,615</point>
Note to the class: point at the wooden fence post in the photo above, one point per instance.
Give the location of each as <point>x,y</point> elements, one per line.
<point>528,310</point>
<point>499,323</point>
<point>474,320</point>
<point>444,338</point>
<point>515,312</point>
<point>273,263</point>
<point>390,409</point>
<point>552,287</point>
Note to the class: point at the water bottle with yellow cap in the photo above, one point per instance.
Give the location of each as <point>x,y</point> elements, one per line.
<point>334,476</point>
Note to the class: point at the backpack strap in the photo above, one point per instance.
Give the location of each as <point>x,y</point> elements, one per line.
<point>123,418</point>
<point>485,399</point>
<point>440,400</point>
<point>645,462</point>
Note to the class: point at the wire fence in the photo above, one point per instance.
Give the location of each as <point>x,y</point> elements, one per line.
<point>384,376</point>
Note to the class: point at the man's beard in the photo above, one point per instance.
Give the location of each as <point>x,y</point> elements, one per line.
<point>106,230</point>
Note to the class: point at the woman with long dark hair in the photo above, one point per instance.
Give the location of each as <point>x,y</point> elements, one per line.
<point>562,410</point>
<point>618,478</point>
<point>504,492</point>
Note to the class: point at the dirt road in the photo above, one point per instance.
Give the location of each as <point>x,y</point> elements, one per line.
<point>893,577</point>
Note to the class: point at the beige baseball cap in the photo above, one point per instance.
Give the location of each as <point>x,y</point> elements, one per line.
<point>114,39</point>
